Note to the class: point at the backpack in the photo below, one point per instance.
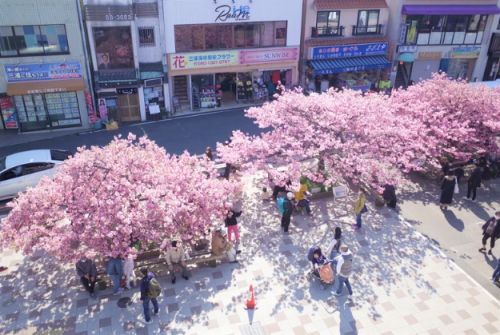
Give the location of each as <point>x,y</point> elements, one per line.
<point>281,205</point>
<point>154,288</point>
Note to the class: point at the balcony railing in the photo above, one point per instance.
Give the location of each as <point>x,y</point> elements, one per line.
<point>318,32</point>
<point>367,30</point>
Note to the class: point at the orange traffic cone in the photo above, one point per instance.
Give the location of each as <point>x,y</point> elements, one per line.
<point>251,298</point>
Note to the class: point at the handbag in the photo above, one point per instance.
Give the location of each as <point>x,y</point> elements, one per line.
<point>457,190</point>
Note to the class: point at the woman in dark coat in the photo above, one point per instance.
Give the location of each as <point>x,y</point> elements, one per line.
<point>447,190</point>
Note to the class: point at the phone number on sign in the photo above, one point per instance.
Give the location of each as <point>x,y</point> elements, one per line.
<point>119,17</point>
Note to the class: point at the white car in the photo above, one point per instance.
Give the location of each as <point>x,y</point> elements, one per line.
<point>24,169</point>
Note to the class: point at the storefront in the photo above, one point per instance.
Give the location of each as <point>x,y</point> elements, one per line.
<point>151,76</point>
<point>43,96</point>
<point>460,62</point>
<point>355,66</point>
<point>224,79</point>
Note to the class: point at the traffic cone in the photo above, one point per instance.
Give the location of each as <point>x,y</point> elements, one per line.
<point>251,298</point>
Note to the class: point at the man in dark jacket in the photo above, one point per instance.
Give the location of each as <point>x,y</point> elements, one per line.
<point>389,196</point>
<point>145,295</point>
<point>474,182</point>
<point>287,213</point>
<point>87,271</point>
<point>491,230</point>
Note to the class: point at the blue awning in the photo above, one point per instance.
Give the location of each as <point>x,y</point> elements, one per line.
<point>353,64</point>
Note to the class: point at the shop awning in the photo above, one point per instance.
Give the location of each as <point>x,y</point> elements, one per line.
<point>354,64</point>
<point>407,57</point>
<point>450,9</point>
<point>349,4</point>
<point>48,86</point>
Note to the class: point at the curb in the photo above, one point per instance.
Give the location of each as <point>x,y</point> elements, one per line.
<point>451,260</point>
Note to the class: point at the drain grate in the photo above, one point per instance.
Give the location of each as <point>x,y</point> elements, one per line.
<point>253,329</point>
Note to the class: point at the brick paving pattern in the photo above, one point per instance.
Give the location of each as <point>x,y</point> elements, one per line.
<point>402,285</point>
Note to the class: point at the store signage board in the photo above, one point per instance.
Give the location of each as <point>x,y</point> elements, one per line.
<point>350,50</point>
<point>200,60</point>
<point>429,55</point>
<point>8,113</point>
<point>269,55</point>
<point>39,72</point>
<point>407,48</point>
<point>465,52</point>
<point>109,13</point>
<point>229,13</point>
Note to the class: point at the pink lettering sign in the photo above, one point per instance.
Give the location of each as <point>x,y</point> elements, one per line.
<point>269,55</point>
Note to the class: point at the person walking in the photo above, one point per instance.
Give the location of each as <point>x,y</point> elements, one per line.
<point>389,195</point>
<point>344,270</point>
<point>175,257</point>
<point>491,230</point>
<point>150,290</point>
<point>447,190</point>
<point>287,212</point>
<point>360,208</point>
<point>232,224</point>
<point>209,154</point>
<point>115,270</point>
<point>87,271</point>
<point>301,197</point>
<point>496,274</point>
<point>128,271</point>
<point>474,182</point>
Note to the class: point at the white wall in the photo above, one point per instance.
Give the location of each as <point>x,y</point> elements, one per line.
<point>203,11</point>
<point>348,18</point>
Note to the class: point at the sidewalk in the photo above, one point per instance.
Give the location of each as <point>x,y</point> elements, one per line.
<point>402,285</point>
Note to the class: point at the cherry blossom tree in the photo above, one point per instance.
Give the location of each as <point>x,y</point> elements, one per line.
<point>456,120</point>
<point>356,137</point>
<point>104,199</point>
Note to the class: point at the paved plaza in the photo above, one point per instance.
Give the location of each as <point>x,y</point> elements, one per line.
<point>402,285</point>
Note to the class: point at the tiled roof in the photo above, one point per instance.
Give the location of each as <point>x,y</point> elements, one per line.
<point>346,4</point>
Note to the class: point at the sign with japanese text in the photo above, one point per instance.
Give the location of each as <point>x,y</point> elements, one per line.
<point>351,50</point>
<point>9,114</point>
<point>269,55</point>
<point>45,71</point>
<point>200,60</point>
<point>465,52</point>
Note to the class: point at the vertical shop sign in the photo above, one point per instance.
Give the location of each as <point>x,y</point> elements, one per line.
<point>90,107</point>
<point>9,114</point>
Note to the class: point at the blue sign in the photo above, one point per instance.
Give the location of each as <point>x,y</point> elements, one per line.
<point>45,71</point>
<point>351,50</point>
<point>351,69</point>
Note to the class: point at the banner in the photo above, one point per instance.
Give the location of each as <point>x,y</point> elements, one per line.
<point>45,71</point>
<point>351,50</point>
<point>9,114</point>
<point>269,55</point>
<point>200,60</point>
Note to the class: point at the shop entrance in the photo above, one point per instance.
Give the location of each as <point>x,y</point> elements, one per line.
<point>225,84</point>
<point>128,106</point>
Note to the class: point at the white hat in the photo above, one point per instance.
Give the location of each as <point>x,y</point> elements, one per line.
<point>289,195</point>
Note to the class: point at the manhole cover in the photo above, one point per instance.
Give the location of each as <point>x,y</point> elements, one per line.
<point>124,302</point>
<point>253,329</point>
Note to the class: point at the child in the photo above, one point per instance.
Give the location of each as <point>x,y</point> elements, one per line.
<point>266,194</point>
<point>128,271</point>
<point>333,248</point>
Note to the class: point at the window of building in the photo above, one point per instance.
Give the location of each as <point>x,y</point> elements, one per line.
<point>451,29</point>
<point>146,36</point>
<point>33,40</point>
<point>50,110</point>
<point>367,22</point>
<point>327,23</point>
<point>229,36</point>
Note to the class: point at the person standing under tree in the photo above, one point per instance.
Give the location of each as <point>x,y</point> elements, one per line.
<point>287,212</point>
<point>344,270</point>
<point>115,271</point>
<point>474,182</point>
<point>447,190</point>
<point>491,230</point>
<point>175,257</point>
<point>150,290</point>
<point>87,271</point>
<point>360,208</point>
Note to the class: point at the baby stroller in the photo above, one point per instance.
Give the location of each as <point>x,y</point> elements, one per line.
<point>321,268</point>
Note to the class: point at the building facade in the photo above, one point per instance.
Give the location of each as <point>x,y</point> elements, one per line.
<point>451,36</point>
<point>43,66</point>
<point>126,43</point>
<point>226,53</point>
<point>345,44</point>
<point>492,70</point>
